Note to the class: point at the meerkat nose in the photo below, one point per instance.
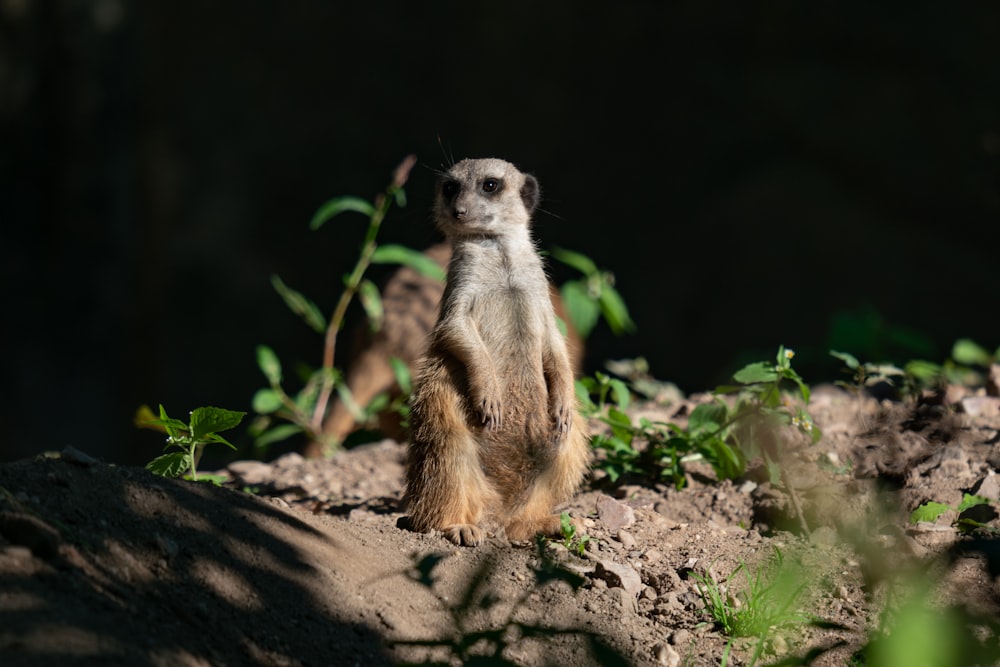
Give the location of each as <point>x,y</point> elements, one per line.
<point>460,212</point>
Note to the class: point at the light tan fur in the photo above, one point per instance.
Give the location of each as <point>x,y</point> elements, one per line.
<point>411,302</point>
<point>497,441</point>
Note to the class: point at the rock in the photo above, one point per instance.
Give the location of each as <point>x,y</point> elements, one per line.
<point>626,539</point>
<point>617,575</point>
<point>993,381</point>
<point>613,514</point>
<point>250,472</point>
<point>666,655</point>
<point>680,637</point>
<point>289,460</point>
<point>981,406</point>
<point>625,600</point>
<point>74,455</point>
<point>652,556</point>
<point>988,487</point>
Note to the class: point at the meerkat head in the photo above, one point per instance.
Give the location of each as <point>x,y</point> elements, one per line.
<point>484,197</point>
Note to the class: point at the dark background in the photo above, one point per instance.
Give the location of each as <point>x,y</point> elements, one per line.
<point>814,174</point>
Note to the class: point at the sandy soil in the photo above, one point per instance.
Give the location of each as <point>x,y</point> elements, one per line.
<point>301,562</point>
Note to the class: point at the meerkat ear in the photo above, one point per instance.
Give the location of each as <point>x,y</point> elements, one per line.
<point>530,193</point>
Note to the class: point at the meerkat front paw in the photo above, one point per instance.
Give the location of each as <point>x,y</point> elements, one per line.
<point>465,534</point>
<point>562,418</point>
<point>491,411</point>
<point>561,409</point>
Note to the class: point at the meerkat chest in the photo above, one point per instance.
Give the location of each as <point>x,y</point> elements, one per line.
<point>506,297</point>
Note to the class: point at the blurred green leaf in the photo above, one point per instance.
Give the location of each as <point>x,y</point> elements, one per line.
<point>392,253</point>
<point>300,305</point>
<point>622,394</point>
<point>402,374</point>
<point>707,418</point>
<point>760,371</point>
<point>338,205</point>
<point>268,362</point>
<point>580,262</point>
<point>266,401</point>
<point>277,434</point>
<point>583,310</point>
<point>969,500</point>
<point>614,310</point>
<point>970,353</point>
<point>928,512</point>
<point>849,359</point>
<point>371,301</point>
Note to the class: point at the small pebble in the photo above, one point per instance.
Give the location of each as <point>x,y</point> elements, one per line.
<point>626,539</point>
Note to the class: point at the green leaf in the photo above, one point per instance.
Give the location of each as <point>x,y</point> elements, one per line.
<point>970,353</point>
<point>727,461</point>
<point>803,389</point>
<point>276,434</point>
<point>969,500</point>
<point>925,371</point>
<point>209,420</point>
<point>566,525</point>
<point>849,359</point>
<point>266,401</point>
<point>392,253</point>
<point>707,418</point>
<point>218,439</point>
<point>170,465</point>
<point>614,310</point>
<point>929,512</point>
<point>175,428</point>
<point>580,262</point>
<point>583,310</point>
<point>402,374</point>
<point>622,394</point>
<point>760,371</point>
<point>268,362</point>
<point>338,205</point>
<point>300,305</point>
<point>371,301</point>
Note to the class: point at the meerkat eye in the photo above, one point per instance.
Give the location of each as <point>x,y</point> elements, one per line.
<point>449,189</point>
<point>491,185</point>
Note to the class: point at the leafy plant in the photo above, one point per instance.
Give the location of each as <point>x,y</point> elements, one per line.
<point>867,374</point>
<point>766,603</point>
<point>724,435</point>
<point>594,295</point>
<point>931,510</point>
<point>571,539</point>
<point>203,429</point>
<point>305,410</point>
<point>602,387</point>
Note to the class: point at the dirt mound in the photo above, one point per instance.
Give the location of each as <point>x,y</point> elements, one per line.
<point>301,562</point>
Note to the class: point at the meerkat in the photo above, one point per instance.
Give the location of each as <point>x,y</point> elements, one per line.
<point>411,303</point>
<point>496,441</point>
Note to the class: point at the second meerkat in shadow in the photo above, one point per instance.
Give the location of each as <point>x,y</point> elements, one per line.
<point>496,439</point>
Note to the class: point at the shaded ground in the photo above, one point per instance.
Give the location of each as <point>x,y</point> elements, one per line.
<point>101,564</point>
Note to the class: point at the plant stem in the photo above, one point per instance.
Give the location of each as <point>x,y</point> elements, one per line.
<point>382,204</point>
